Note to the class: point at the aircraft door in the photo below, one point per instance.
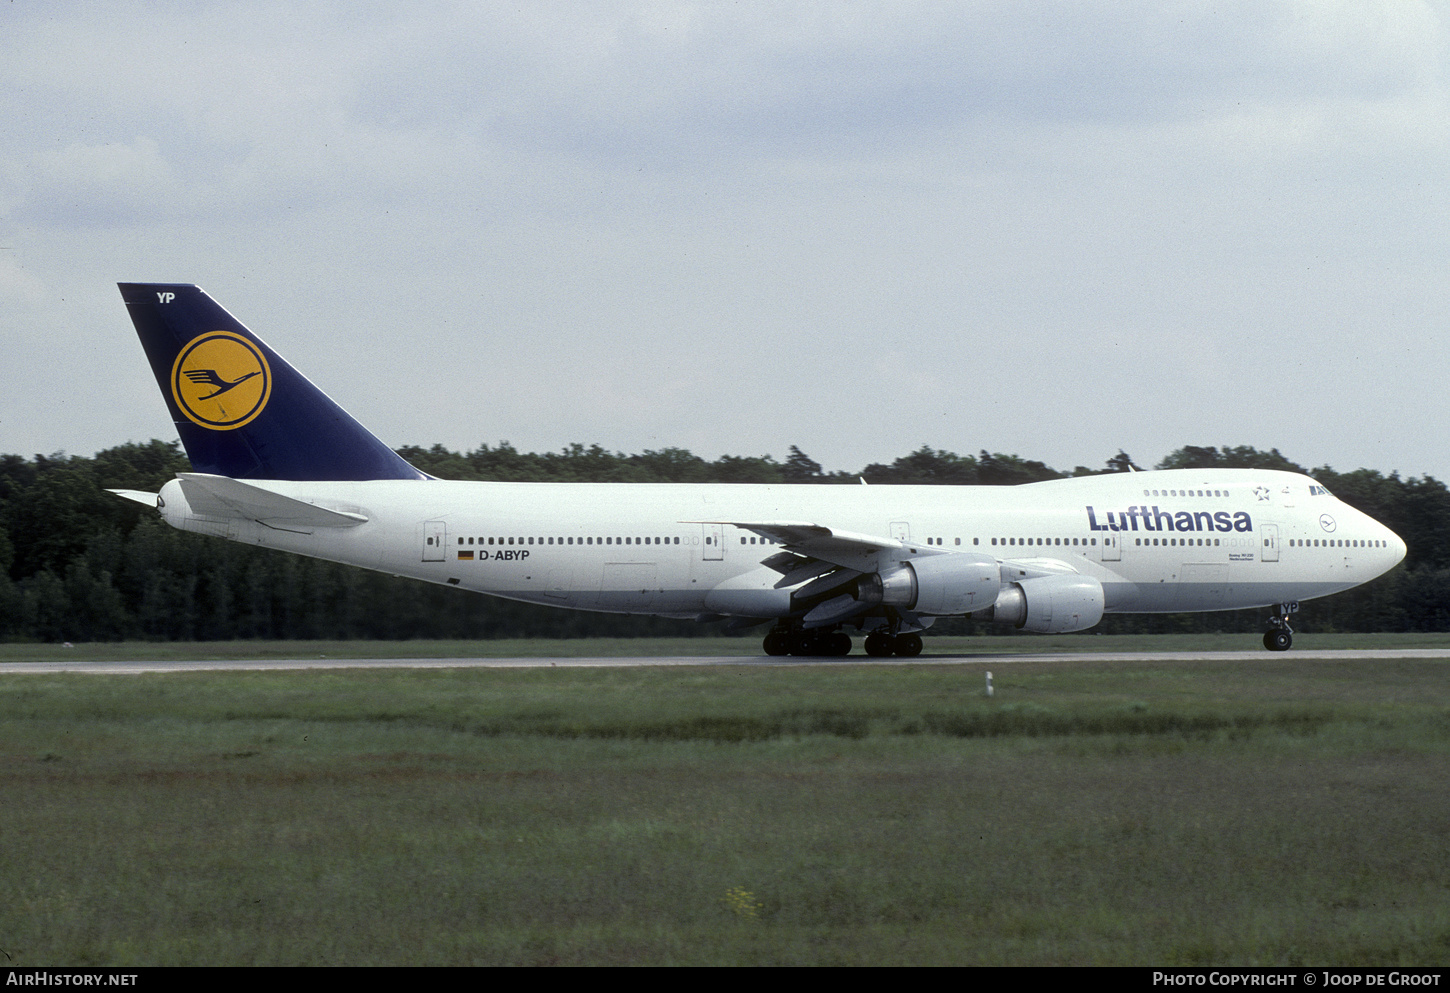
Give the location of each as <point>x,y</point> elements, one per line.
<point>1112,548</point>
<point>901,530</point>
<point>714,548</point>
<point>1271,542</point>
<point>435,533</point>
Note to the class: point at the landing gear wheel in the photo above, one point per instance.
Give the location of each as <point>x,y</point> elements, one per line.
<point>1278,640</point>
<point>907,645</point>
<point>805,643</point>
<point>1280,635</point>
<point>878,644</point>
<point>777,643</point>
<point>838,643</point>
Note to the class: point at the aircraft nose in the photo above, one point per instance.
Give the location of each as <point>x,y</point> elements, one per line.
<point>1397,547</point>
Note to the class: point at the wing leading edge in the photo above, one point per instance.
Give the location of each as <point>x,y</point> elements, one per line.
<point>847,549</point>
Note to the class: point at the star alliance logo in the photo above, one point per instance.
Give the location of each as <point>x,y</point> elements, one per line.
<point>1262,492</point>
<point>221,380</point>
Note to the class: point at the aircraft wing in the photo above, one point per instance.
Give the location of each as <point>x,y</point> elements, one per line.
<point>847,549</point>
<point>1034,567</point>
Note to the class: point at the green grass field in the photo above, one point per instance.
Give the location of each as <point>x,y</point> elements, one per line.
<point>1270,810</point>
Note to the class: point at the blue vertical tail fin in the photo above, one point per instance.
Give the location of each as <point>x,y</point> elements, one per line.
<point>240,409</point>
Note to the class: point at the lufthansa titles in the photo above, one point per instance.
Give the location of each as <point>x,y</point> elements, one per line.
<point>1153,519</point>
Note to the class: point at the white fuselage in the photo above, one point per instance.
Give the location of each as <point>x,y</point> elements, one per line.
<point>1176,540</point>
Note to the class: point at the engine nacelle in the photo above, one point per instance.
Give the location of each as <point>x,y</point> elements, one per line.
<point>958,583</point>
<point>1051,604</point>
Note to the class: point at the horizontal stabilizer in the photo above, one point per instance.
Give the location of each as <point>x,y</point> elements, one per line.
<point>140,496</point>
<point>223,498</point>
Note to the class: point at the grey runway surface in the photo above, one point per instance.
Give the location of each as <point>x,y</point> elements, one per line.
<point>252,665</point>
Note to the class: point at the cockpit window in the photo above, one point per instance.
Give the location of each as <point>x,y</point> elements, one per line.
<point>1317,490</point>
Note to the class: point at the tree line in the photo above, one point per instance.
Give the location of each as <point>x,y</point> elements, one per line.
<point>78,564</point>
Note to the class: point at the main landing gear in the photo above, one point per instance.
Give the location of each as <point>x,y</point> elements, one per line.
<point>881,644</point>
<point>835,642</point>
<point>1280,635</point>
<point>817,641</point>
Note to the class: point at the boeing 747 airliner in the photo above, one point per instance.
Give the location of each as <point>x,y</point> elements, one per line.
<point>279,464</point>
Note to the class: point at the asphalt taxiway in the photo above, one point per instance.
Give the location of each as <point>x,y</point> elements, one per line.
<point>134,667</point>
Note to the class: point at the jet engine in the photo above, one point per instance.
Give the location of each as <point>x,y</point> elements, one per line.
<point>1050,604</point>
<point>958,583</point>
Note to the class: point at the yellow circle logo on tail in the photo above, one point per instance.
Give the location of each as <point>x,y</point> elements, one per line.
<point>221,380</point>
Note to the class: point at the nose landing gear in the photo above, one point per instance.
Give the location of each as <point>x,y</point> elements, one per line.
<point>1280,635</point>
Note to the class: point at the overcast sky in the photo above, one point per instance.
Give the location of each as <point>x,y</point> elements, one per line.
<point>1055,230</point>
